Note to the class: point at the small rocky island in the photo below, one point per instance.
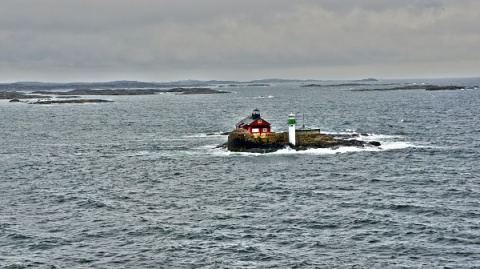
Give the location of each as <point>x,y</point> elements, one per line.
<point>68,101</point>
<point>74,96</point>
<point>421,87</point>
<point>131,91</point>
<point>253,135</point>
<point>242,141</point>
<point>14,95</point>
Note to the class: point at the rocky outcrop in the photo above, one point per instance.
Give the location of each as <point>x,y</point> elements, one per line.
<point>242,141</point>
<point>421,87</point>
<point>68,101</point>
<point>195,91</point>
<point>443,88</point>
<point>131,91</point>
<point>20,95</point>
<point>334,85</point>
<point>103,92</point>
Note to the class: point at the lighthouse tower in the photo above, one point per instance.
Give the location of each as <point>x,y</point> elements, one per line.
<point>291,129</point>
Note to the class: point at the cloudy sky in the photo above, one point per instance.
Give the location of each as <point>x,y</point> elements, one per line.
<point>166,40</point>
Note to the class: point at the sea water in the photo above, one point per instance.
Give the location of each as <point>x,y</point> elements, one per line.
<point>140,183</point>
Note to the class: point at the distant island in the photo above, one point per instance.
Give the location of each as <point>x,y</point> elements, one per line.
<point>195,91</point>
<point>20,95</point>
<point>74,90</point>
<point>134,85</point>
<point>132,91</point>
<point>73,95</point>
<point>421,87</point>
<point>368,79</point>
<point>68,101</point>
<point>335,85</point>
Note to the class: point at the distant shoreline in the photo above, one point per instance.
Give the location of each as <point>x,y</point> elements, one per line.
<point>82,92</point>
<point>420,87</point>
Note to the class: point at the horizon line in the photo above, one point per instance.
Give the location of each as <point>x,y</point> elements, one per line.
<point>238,81</point>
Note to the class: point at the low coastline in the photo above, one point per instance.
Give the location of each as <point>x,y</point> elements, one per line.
<point>75,96</point>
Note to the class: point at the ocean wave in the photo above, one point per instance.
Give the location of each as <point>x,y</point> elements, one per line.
<point>202,135</point>
<point>209,149</point>
<point>263,97</point>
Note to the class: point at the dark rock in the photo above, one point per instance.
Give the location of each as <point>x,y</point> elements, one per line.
<point>14,100</point>
<point>347,136</point>
<point>351,143</point>
<point>375,143</point>
<point>443,88</point>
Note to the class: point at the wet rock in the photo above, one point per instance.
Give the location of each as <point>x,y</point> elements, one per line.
<point>242,141</point>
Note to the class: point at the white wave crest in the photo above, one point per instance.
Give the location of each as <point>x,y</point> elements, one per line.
<point>314,151</point>
<point>202,135</point>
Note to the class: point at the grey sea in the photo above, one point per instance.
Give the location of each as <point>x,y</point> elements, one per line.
<point>140,183</point>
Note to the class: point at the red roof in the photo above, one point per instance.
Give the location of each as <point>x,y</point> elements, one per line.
<point>253,120</point>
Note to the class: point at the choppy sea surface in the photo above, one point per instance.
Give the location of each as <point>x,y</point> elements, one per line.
<point>139,182</point>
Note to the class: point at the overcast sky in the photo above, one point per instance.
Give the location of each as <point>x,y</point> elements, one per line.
<point>166,40</point>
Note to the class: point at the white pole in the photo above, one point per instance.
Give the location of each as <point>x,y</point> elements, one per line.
<point>291,129</point>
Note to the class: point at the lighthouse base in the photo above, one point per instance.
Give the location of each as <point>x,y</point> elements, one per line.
<point>242,141</point>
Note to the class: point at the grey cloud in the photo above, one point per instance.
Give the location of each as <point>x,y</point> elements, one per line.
<point>178,38</point>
